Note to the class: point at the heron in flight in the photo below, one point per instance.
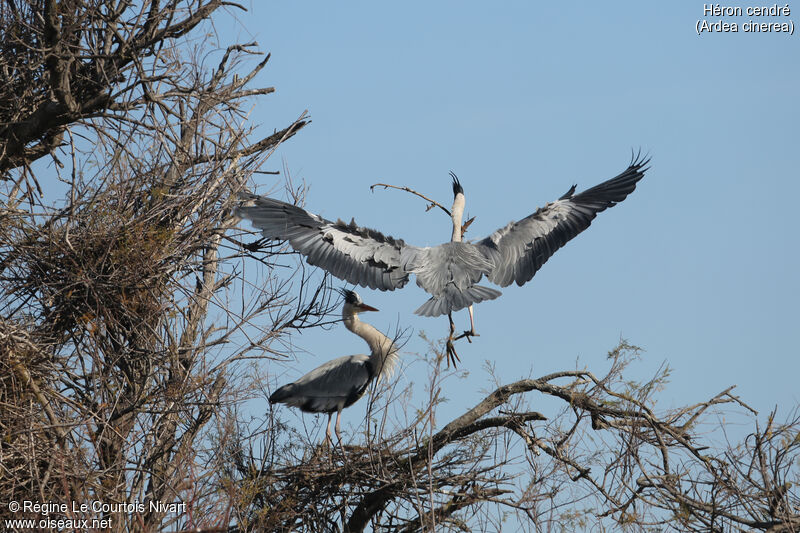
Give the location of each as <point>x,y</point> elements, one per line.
<point>449,272</point>
<point>343,381</point>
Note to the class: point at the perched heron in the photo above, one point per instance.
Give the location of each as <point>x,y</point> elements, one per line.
<point>343,381</point>
<point>450,271</point>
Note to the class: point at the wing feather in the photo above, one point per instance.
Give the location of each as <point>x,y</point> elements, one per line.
<point>334,385</point>
<point>350,252</point>
<point>521,248</point>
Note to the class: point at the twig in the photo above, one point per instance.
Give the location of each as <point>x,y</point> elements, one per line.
<point>433,203</point>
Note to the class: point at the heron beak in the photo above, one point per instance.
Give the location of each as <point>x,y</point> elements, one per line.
<point>365,307</point>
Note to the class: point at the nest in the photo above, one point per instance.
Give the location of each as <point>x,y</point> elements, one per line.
<point>115,276</point>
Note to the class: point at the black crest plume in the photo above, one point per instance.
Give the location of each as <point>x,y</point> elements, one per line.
<point>457,188</point>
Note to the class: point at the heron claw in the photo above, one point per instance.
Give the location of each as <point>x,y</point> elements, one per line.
<point>452,356</point>
<point>255,245</point>
<point>468,334</point>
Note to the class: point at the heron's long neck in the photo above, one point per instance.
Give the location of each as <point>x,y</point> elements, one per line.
<point>457,212</point>
<point>383,351</point>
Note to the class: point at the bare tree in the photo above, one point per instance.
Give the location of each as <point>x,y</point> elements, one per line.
<point>119,326</point>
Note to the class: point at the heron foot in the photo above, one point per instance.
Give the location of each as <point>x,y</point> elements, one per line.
<point>468,334</point>
<point>452,355</point>
<point>255,246</point>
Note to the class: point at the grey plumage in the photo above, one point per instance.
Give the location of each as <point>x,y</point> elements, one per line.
<point>341,382</point>
<point>338,383</point>
<point>359,255</point>
<point>521,248</point>
<point>449,272</point>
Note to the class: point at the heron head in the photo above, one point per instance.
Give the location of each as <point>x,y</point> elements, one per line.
<point>457,188</point>
<point>353,301</point>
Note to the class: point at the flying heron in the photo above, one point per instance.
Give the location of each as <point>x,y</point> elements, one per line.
<point>449,272</point>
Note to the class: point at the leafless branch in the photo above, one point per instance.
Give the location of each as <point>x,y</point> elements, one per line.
<point>431,205</point>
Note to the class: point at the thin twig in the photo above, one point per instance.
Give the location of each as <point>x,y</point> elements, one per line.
<point>433,203</point>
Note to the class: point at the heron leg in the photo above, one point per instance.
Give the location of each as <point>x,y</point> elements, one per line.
<point>338,419</point>
<point>471,333</point>
<point>452,356</point>
<point>328,439</point>
<point>472,322</point>
<point>339,435</point>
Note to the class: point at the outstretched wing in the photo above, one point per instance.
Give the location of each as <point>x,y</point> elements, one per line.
<point>350,252</point>
<point>521,248</point>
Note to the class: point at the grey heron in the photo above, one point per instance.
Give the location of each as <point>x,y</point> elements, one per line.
<point>341,382</point>
<point>449,272</point>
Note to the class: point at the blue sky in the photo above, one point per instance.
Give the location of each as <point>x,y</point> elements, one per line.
<point>698,266</point>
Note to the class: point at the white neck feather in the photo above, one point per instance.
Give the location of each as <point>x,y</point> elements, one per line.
<point>383,351</point>
<point>457,212</point>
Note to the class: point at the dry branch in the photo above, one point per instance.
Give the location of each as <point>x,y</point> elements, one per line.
<point>638,467</point>
<point>118,337</point>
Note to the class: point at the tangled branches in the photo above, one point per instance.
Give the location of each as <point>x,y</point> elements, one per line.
<point>116,67</point>
<point>110,296</point>
<point>605,447</point>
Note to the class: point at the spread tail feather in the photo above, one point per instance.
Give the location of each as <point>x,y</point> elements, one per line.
<point>453,300</point>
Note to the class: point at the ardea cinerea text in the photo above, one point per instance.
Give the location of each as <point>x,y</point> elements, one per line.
<point>343,381</point>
